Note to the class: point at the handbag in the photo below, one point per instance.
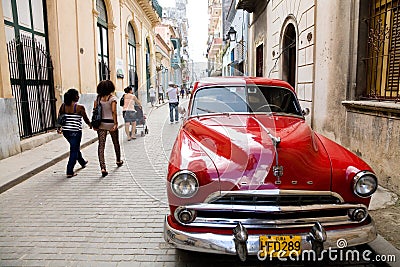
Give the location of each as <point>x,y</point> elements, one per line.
<point>122,100</point>
<point>97,114</point>
<point>62,118</point>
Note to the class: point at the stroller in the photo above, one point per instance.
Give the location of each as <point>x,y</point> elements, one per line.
<point>141,121</point>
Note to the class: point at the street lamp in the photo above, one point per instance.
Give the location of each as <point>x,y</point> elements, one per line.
<point>232,34</point>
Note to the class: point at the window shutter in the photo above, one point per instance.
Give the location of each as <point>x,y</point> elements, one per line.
<point>393,79</point>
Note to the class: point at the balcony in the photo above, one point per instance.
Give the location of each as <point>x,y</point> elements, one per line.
<point>157,7</point>
<point>152,9</point>
<point>248,5</point>
<point>214,47</point>
<point>176,57</point>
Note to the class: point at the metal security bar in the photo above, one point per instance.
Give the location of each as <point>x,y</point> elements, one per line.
<point>383,62</point>
<point>32,84</point>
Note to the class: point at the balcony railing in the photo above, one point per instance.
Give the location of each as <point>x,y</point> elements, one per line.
<point>157,7</point>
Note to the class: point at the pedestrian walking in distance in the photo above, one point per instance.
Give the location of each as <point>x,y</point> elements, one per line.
<point>172,93</point>
<point>152,93</point>
<point>130,113</point>
<point>109,122</point>
<point>72,128</point>
<point>182,91</point>
<point>160,94</point>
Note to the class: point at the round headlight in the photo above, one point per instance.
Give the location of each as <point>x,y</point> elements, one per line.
<point>184,184</point>
<point>365,184</point>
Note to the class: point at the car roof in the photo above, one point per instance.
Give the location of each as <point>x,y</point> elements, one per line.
<point>240,80</point>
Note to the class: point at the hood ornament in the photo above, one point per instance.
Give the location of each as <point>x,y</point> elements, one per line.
<point>277,169</point>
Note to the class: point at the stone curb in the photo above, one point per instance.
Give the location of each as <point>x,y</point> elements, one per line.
<point>383,248</point>
<point>44,166</point>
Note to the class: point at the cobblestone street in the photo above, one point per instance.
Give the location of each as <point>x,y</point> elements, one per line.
<point>88,220</point>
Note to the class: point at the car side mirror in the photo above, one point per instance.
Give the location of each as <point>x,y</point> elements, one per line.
<point>305,111</point>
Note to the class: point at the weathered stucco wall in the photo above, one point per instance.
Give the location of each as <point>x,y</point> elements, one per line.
<point>257,35</point>
<point>372,135</point>
<point>377,140</point>
<point>269,23</point>
<point>9,135</point>
<point>331,67</point>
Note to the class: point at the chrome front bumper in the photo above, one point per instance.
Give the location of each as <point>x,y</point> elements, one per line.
<point>224,244</point>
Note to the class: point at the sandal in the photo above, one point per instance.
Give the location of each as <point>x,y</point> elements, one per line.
<point>104,173</point>
<point>119,163</point>
<point>71,175</point>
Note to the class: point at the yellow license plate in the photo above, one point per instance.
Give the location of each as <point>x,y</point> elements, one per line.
<point>280,245</point>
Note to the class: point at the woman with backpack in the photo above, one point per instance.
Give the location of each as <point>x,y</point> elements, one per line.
<point>109,122</point>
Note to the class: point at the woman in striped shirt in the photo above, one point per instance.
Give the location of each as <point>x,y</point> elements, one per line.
<point>72,130</point>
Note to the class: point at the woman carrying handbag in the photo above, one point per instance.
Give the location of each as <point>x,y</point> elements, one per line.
<point>109,122</point>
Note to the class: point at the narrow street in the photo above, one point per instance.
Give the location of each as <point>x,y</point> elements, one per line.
<point>88,220</point>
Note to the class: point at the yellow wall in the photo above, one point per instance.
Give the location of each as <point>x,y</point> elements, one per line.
<point>5,85</point>
<point>73,42</point>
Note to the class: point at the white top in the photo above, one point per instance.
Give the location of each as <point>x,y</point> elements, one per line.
<point>129,102</point>
<point>73,121</point>
<point>152,92</point>
<point>172,95</point>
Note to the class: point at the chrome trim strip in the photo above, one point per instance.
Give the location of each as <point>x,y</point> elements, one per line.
<point>253,208</point>
<point>271,224</point>
<point>271,192</point>
<point>224,244</point>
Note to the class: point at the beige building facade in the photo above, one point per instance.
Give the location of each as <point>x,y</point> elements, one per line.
<point>342,57</point>
<point>215,42</point>
<point>69,44</point>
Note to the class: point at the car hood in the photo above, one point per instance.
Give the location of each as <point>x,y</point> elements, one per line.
<point>244,154</point>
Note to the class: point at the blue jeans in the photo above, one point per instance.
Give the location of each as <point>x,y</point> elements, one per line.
<point>172,107</point>
<point>74,140</point>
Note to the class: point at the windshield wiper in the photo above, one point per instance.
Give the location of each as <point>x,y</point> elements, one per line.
<point>206,110</point>
<point>214,112</point>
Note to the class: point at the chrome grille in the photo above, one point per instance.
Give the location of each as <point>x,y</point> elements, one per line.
<point>273,209</point>
<point>280,200</point>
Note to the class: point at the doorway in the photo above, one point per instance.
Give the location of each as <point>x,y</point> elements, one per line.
<point>289,45</point>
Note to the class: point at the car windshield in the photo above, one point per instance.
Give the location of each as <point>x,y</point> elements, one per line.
<point>248,99</point>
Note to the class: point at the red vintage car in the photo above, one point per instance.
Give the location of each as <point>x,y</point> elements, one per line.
<point>248,176</point>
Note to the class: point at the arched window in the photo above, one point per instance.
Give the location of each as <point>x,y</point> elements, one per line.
<point>133,78</point>
<point>289,55</point>
<point>102,41</point>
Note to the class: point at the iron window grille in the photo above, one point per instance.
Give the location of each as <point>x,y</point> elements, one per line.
<point>383,60</point>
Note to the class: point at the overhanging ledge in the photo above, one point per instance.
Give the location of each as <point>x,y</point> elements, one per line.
<point>381,108</point>
<point>247,5</point>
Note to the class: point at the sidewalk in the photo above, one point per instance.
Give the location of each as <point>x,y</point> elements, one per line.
<point>18,168</point>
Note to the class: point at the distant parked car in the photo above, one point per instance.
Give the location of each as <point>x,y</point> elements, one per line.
<point>248,176</point>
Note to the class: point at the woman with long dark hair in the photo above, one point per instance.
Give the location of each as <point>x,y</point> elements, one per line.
<point>109,122</point>
<point>72,129</point>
